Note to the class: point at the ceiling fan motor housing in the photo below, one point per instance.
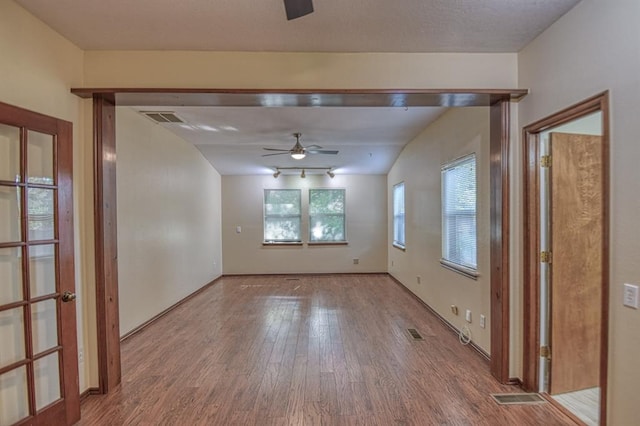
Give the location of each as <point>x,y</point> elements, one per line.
<point>297,8</point>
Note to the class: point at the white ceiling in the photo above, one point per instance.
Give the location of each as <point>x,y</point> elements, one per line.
<point>369,139</point>
<point>232,138</point>
<point>335,26</point>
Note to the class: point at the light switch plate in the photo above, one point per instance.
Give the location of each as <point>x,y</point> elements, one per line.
<point>630,297</point>
<point>467,315</point>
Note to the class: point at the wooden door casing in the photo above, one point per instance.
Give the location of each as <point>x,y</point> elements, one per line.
<point>576,271</point>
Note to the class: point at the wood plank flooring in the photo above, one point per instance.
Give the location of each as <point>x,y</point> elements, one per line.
<point>304,350</point>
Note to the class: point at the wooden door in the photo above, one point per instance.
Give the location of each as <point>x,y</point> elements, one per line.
<point>38,348</point>
<point>576,246</point>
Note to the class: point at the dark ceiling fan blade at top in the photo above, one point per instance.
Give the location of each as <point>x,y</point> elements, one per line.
<point>297,8</point>
<point>276,149</point>
<point>276,153</point>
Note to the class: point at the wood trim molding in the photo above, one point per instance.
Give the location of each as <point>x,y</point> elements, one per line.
<point>88,392</point>
<point>442,319</point>
<point>499,244</point>
<point>147,323</point>
<point>531,226</point>
<point>107,311</point>
<point>304,97</point>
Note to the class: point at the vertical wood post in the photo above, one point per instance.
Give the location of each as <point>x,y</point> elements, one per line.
<point>104,121</point>
<point>499,229</point>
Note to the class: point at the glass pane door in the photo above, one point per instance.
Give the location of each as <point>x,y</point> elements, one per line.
<point>31,350</point>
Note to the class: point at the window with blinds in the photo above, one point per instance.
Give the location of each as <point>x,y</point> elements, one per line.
<point>459,241</point>
<point>398,215</point>
<point>282,215</point>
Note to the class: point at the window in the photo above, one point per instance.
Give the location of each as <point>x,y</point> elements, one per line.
<point>459,245</point>
<point>326,215</point>
<point>282,216</point>
<point>398,215</point>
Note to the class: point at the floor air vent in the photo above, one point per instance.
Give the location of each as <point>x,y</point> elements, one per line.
<point>517,398</point>
<point>414,334</point>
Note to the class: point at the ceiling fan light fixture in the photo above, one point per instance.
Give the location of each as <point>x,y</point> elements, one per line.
<point>298,155</point>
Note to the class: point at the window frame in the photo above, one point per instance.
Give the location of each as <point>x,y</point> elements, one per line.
<point>468,270</point>
<point>312,241</point>
<point>396,242</point>
<point>266,216</point>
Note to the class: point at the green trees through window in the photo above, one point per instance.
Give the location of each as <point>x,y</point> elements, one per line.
<point>326,215</point>
<point>282,215</point>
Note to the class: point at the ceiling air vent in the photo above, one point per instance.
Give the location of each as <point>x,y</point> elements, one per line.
<point>163,116</point>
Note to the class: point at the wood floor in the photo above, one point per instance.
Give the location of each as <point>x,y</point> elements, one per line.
<point>304,350</point>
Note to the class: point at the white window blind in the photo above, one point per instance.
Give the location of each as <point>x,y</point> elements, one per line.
<point>398,214</point>
<point>326,215</point>
<point>459,242</point>
<point>282,215</point>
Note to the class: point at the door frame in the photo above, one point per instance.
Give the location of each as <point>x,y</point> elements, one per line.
<point>531,230</point>
<point>105,100</point>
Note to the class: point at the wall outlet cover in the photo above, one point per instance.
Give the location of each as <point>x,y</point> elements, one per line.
<point>467,315</point>
<point>630,296</point>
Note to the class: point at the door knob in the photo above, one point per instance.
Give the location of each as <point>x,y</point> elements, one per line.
<point>67,296</point>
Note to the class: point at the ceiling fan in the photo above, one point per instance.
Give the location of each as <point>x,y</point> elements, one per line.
<point>298,152</point>
<point>297,8</point>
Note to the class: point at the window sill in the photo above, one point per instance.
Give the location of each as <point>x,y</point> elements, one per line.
<point>328,243</point>
<point>399,247</point>
<point>467,272</point>
<point>280,244</point>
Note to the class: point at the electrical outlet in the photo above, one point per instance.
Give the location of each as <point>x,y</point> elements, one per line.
<point>238,229</point>
<point>483,321</point>
<point>630,297</point>
<point>356,261</point>
<point>81,355</point>
<point>418,279</point>
<point>454,309</point>
<point>467,315</point>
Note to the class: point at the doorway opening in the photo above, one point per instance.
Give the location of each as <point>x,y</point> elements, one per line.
<point>106,100</point>
<point>567,258</point>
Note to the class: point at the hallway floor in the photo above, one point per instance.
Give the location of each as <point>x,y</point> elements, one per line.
<point>305,350</point>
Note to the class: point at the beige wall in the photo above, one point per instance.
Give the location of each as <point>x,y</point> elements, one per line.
<point>418,166</point>
<point>366,224</point>
<point>596,47</point>
<point>169,242</point>
<point>271,70</point>
<point>37,69</point>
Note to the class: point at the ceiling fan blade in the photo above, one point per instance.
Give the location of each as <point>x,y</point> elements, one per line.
<point>276,149</point>
<point>277,153</point>
<point>297,8</point>
<point>313,147</point>
<point>320,151</point>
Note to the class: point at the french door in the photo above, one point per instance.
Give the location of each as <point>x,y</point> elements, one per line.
<point>38,348</point>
